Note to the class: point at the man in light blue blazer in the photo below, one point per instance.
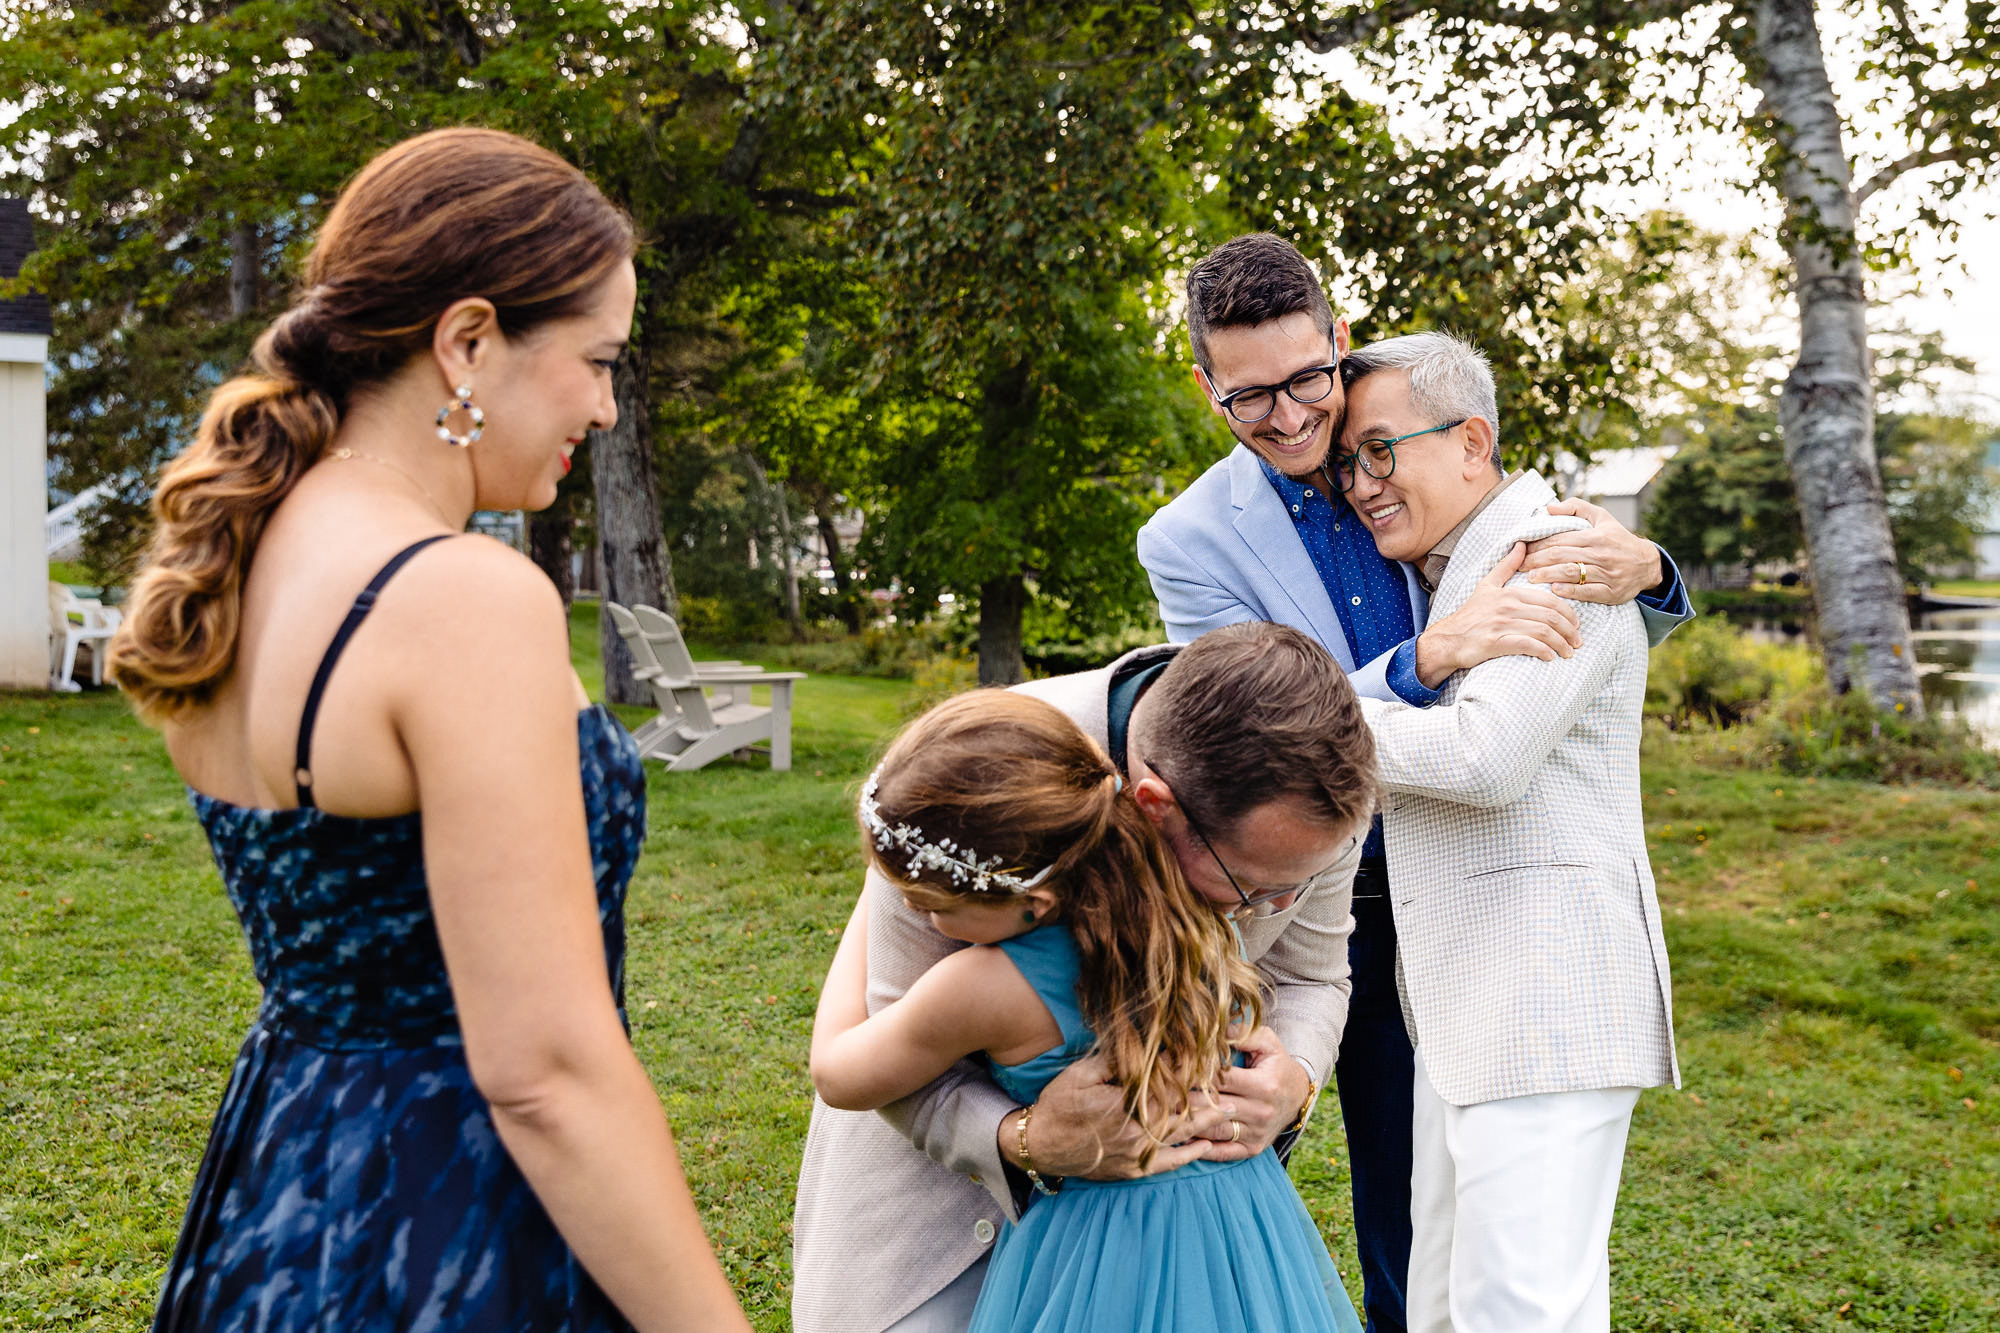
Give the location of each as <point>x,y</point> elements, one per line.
<point>1265,534</point>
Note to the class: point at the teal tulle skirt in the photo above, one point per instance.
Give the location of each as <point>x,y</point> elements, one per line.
<point>1226,1247</point>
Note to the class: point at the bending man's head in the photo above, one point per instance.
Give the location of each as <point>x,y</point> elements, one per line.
<point>1251,755</point>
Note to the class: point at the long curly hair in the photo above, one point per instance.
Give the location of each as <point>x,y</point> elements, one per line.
<point>1163,977</point>
<point>447,215</point>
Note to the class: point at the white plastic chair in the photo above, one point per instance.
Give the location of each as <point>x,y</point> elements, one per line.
<point>692,728</point>
<point>73,622</point>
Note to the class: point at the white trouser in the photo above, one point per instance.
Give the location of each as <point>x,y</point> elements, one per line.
<point>1510,1209</point>
<point>950,1311</point>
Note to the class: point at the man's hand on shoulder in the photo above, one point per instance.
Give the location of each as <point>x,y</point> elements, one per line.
<point>1613,564</point>
<point>1498,621</point>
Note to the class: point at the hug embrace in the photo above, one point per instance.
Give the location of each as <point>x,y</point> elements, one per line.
<point>1371,818</point>
<point>1429,845</point>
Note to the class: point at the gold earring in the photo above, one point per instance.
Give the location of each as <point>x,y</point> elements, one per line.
<point>461,401</point>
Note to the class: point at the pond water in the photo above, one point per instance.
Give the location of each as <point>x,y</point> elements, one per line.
<point>1958,659</point>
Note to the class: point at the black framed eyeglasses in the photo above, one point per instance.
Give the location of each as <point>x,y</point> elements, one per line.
<point>1267,902</point>
<point>1377,457</point>
<point>1253,402</point>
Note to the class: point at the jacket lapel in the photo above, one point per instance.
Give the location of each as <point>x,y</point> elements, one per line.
<point>1260,519</point>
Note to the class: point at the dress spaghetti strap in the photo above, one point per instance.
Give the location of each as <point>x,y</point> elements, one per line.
<point>302,772</point>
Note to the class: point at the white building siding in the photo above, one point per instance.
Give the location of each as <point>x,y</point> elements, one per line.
<point>24,497</point>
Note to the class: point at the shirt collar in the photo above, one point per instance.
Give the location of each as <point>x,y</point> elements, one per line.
<point>1439,559</point>
<point>1290,489</point>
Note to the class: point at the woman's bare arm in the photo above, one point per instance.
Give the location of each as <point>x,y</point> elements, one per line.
<point>490,723</point>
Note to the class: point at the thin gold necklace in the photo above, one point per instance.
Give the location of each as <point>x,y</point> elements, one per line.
<point>405,473</point>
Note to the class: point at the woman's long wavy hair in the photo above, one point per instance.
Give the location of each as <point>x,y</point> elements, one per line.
<point>1006,775</point>
<point>447,215</point>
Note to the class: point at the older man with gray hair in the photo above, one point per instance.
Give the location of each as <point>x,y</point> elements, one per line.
<point>1534,975</point>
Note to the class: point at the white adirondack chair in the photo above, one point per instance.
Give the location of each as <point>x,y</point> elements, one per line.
<point>693,728</point>
<point>646,668</point>
<point>73,622</point>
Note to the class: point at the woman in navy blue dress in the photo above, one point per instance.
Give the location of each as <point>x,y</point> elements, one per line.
<point>437,1120</point>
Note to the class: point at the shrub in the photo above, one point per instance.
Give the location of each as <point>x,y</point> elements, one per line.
<point>939,679</point>
<point>1727,698</point>
<point>1710,671</point>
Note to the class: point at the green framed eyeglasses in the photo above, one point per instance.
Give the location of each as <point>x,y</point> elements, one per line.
<point>1377,457</point>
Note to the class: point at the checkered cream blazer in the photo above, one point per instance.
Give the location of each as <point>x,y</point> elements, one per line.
<point>1530,947</point>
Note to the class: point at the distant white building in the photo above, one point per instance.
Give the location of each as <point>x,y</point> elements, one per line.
<point>1621,480</point>
<point>24,466</point>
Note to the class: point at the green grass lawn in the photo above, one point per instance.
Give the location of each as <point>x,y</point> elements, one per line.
<point>1832,1160</point>
<point>1968,588</point>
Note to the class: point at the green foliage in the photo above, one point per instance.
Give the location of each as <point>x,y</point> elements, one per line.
<point>1845,736</point>
<point>1710,671</point>
<point>1020,195</point>
<point>163,149</point>
<point>1725,498</point>
<point>1733,700</point>
<point>1941,483</point>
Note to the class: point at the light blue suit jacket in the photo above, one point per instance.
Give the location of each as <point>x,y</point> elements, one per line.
<point>1225,550</point>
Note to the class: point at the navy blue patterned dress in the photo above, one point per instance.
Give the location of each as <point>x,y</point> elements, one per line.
<point>353,1179</point>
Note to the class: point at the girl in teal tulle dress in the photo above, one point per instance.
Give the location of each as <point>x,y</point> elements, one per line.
<point>996,815</point>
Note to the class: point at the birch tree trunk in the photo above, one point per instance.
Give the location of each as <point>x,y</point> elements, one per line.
<point>1827,410</point>
<point>635,566</point>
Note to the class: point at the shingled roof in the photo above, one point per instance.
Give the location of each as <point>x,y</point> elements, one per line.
<point>30,313</point>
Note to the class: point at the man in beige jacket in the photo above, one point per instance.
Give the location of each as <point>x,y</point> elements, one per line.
<point>1235,737</point>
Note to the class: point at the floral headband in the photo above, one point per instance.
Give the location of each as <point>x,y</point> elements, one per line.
<point>961,863</point>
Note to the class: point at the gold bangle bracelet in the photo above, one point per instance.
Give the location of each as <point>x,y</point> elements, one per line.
<point>1028,1167</point>
<point>1305,1112</point>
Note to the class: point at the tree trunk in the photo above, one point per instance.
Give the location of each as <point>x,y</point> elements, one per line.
<point>1827,410</point>
<point>788,565</point>
<point>1007,427</point>
<point>550,545</point>
<point>850,608</point>
<point>791,560</point>
<point>635,566</point>
<point>245,264</point>
<point>1001,602</point>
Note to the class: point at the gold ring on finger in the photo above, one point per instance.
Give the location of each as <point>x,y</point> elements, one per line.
<point>1582,572</point>
<point>1236,1131</point>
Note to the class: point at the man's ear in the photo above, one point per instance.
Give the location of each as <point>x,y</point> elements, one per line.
<point>1207,390</point>
<point>1155,799</point>
<point>1341,345</point>
<point>1478,447</point>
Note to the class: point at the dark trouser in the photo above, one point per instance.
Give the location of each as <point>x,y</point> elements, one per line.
<point>1375,1072</point>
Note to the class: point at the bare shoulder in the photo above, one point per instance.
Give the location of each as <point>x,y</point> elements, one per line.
<point>981,995</point>
<point>475,615</point>
<point>474,584</point>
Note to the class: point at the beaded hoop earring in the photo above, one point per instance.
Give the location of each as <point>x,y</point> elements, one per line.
<point>461,401</point>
